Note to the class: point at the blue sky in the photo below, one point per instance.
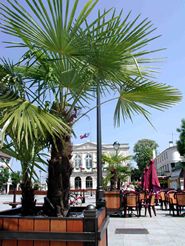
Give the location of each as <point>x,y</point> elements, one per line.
<point>169,18</point>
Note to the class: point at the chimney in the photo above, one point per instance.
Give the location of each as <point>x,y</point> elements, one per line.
<point>170,143</point>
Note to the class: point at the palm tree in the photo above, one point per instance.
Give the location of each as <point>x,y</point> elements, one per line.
<point>69,61</point>
<point>25,129</point>
<point>117,173</point>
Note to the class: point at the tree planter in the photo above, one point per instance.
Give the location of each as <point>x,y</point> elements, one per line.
<point>49,231</point>
<point>113,201</point>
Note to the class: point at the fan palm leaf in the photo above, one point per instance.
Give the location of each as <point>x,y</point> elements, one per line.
<point>146,93</point>
<point>115,168</point>
<point>27,122</point>
<point>52,27</point>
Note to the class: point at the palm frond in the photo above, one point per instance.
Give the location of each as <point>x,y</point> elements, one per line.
<point>27,122</point>
<point>148,94</point>
<point>45,25</point>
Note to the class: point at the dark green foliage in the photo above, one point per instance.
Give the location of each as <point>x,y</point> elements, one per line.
<point>143,150</point>
<point>4,176</point>
<point>181,145</point>
<point>16,178</point>
<point>181,141</point>
<point>135,174</point>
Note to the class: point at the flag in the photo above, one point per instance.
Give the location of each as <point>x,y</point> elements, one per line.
<point>85,135</point>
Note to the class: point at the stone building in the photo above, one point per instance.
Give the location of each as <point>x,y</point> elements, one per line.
<point>167,163</point>
<point>84,175</point>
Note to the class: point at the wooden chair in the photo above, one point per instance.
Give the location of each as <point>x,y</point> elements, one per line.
<point>141,200</point>
<point>162,199</point>
<point>180,196</point>
<point>171,200</point>
<point>131,203</point>
<point>150,203</point>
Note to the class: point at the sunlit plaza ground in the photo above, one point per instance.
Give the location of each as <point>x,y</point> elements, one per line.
<point>164,229</point>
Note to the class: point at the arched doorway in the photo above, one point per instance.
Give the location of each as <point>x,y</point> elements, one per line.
<point>78,183</point>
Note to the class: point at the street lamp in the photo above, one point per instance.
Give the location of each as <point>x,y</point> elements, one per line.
<point>100,202</point>
<point>116,146</point>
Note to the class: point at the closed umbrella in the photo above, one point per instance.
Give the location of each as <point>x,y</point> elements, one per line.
<point>154,184</point>
<point>145,180</point>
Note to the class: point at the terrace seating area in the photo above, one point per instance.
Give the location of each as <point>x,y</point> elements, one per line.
<point>142,203</point>
<point>132,201</point>
<point>174,201</point>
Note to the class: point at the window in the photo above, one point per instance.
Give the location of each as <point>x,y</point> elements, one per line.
<point>78,161</point>
<point>78,183</point>
<point>172,165</point>
<point>88,161</point>
<point>89,182</point>
<point>168,168</point>
<point>166,155</point>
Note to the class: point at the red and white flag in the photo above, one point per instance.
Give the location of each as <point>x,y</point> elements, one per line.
<point>85,135</point>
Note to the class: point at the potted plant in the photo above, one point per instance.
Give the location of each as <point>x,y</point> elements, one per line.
<point>116,173</point>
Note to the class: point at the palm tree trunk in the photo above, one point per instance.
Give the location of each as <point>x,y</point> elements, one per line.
<point>113,180</point>
<point>28,197</point>
<point>59,173</point>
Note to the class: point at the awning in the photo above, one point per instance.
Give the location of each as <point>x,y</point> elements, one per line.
<point>176,173</point>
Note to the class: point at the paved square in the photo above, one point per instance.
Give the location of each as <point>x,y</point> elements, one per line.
<point>163,230</point>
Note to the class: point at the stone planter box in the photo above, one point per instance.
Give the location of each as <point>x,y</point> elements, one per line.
<point>48,231</point>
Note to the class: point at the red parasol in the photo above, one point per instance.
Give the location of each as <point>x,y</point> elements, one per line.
<point>154,184</point>
<point>145,180</point>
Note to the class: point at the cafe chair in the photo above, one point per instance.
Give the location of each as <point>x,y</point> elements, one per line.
<point>131,204</point>
<point>180,196</point>
<point>150,203</point>
<point>162,199</point>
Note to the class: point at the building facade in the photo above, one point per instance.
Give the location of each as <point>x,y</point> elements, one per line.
<point>167,163</point>
<point>84,162</point>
